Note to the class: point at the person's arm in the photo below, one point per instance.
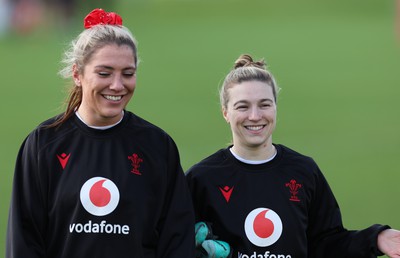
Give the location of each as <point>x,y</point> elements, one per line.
<point>177,226</point>
<point>27,214</point>
<point>327,235</point>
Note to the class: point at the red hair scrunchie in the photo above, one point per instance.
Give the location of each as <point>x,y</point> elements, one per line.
<point>101,17</point>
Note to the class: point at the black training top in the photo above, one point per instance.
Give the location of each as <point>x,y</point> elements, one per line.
<point>283,208</point>
<point>83,192</point>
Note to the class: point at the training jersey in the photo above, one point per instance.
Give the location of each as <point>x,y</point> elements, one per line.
<point>82,192</point>
<point>280,209</point>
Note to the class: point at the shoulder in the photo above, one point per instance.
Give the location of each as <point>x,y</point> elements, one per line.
<point>214,161</point>
<point>137,123</point>
<point>45,135</point>
<point>296,163</point>
<point>139,129</point>
<point>292,155</point>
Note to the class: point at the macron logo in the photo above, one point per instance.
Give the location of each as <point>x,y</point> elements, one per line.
<point>63,158</point>
<point>226,192</point>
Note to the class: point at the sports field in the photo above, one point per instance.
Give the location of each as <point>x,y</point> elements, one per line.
<point>337,62</point>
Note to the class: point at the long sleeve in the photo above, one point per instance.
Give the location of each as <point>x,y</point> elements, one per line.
<point>27,215</point>
<point>177,226</point>
<point>328,237</point>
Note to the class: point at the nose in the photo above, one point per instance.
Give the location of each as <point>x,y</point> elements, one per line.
<point>255,114</point>
<point>117,83</point>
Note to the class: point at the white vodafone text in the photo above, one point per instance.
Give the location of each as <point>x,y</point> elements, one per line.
<point>267,254</point>
<point>101,228</point>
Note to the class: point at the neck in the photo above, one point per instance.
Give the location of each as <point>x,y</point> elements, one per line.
<point>98,122</point>
<point>258,153</point>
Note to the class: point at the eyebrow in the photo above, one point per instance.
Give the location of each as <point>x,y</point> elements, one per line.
<point>112,68</point>
<point>246,102</point>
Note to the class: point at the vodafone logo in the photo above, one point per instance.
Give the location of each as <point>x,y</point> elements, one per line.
<point>263,227</point>
<point>99,196</point>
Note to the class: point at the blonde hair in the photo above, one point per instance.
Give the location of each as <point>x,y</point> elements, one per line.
<point>80,52</point>
<point>245,69</point>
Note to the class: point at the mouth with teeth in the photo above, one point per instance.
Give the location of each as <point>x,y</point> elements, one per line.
<point>254,127</point>
<point>112,98</point>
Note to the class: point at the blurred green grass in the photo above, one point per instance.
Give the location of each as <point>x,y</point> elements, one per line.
<point>336,62</point>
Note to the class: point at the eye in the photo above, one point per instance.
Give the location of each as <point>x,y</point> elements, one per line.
<point>103,74</point>
<point>241,107</point>
<point>266,104</point>
<point>129,74</point>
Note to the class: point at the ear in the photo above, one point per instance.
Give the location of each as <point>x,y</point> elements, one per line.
<point>75,75</point>
<point>225,114</point>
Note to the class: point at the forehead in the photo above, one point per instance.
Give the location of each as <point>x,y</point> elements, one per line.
<point>112,54</point>
<point>250,91</point>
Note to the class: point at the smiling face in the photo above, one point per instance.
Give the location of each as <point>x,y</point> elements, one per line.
<point>251,113</point>
<point>108,81</point>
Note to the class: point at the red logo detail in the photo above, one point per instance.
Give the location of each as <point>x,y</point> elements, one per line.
<point>136,160</point>
<point>263,227</point>
<point>99,195</point>
<point>63,158</point>
<point>226,192</point>
<point>294,190</point>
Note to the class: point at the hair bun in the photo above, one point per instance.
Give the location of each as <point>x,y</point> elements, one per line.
<point>247,61</point>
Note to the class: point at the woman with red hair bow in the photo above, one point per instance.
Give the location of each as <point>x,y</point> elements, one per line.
<point>98,180</point>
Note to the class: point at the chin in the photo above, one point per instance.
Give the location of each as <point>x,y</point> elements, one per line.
<point>256,144</point>
<point>112,114</point>
<point>112,111</point>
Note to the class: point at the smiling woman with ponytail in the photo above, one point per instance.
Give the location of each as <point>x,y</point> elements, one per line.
<point>257,198</point>
<point>98,180</point>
